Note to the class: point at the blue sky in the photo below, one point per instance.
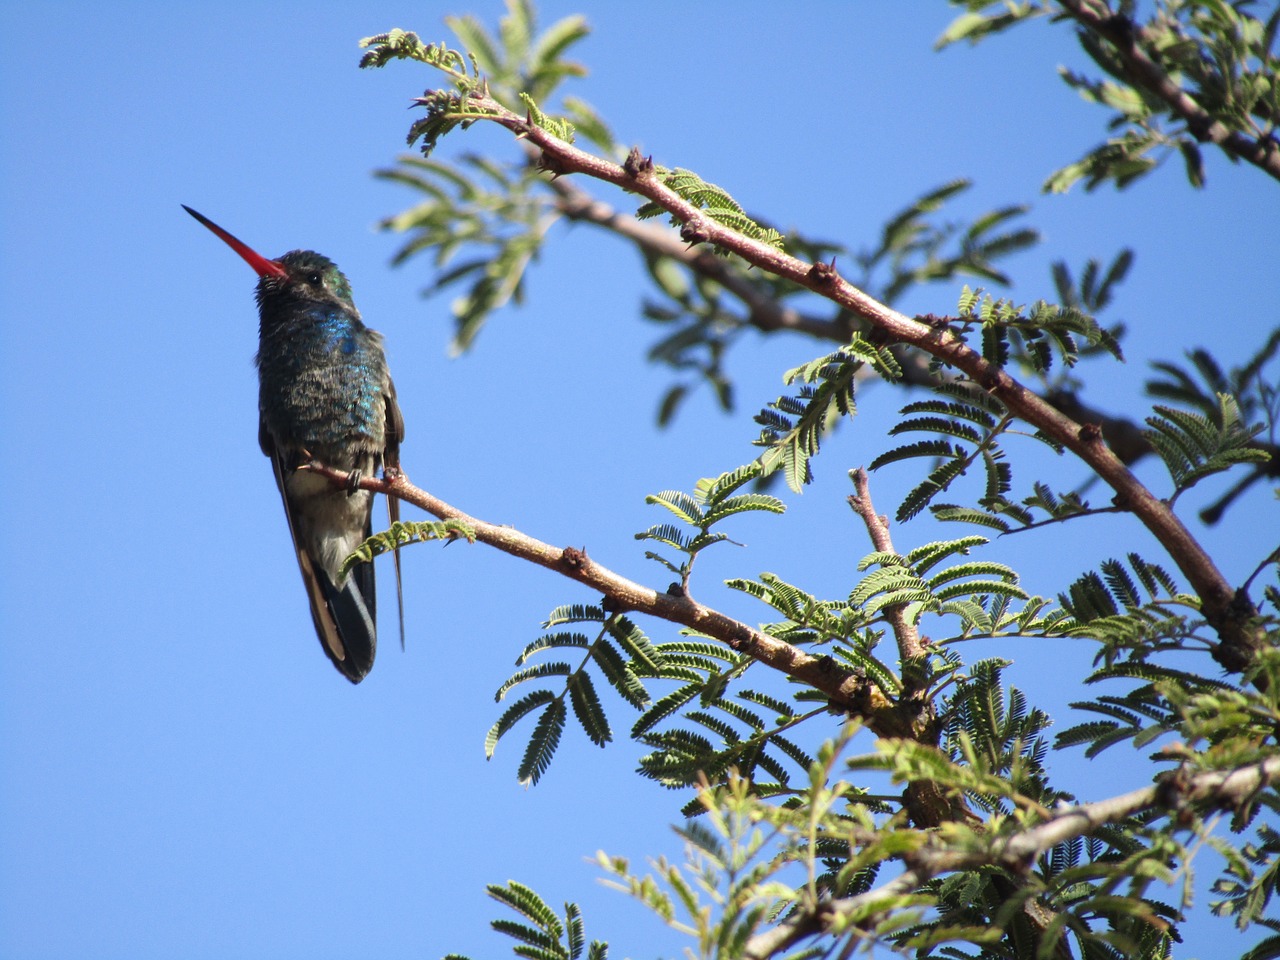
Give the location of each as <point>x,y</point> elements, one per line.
<point>182,772</point>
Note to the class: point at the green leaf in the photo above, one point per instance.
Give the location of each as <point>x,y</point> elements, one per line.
<point>679,503</point>
<point>513,714</point>
<point>587,708</point>
<point>619,674</point>
<point>526,902</point>
<point>542,744</point>
<point>644,655</point>
<point>538,672</point>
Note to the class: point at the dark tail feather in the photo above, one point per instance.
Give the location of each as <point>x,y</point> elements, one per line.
<point>345,619</point>
<point>355,614</point>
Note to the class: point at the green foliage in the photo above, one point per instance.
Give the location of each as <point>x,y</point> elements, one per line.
<point>620,652</point>
<point>399,534</point>
<point>447,109</point>
<point>713,500</point>
<point>793,426</point>
<point>999,513</point>
<point>543,935</point>
<point>1218,56</point>
<point>1194,446</point>
<point>493,218</point>
<point>777,836</point>
<point>483,222</point>
<point>1253,873</point>
<point>1200,386</point>
<point>747,862</point>
<point>996,733</point>
<point>914,247</point>
<point>968,434</point>
<point>712,200</point>
<point>1096,288</point>
<point>968,426</point>
<point>975,25</point>
<point>1034,336</point>
<point>727,889</point>
<point>625,658</point>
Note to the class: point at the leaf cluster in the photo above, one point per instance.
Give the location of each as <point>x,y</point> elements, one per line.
<point>483,221</point>
<point>1218,56</point>
<point>625,659</point>
<point>793,425</point>
<point>401,533</point>
<point>713,201</point>
<point>541,934</point>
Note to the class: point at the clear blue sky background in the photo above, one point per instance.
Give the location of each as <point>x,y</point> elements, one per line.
<point>182,773</point>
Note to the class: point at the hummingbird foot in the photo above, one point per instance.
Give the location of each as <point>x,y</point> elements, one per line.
<point>353,481</point>
<point>300,458</point>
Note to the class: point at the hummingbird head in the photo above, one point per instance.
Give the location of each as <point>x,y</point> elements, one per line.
<point>298,276</point>
<point>309,276</point>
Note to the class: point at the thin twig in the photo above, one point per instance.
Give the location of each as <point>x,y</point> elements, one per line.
<point>904,631</point>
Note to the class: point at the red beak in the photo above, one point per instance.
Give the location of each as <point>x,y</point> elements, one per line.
<point>261,265</point>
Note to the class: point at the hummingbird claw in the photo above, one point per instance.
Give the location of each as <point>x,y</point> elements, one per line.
<point>353,482</point>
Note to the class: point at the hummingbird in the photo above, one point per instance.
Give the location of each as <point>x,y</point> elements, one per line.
<point>324,394</point>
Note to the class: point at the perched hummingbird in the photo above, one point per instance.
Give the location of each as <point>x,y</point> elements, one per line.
<point>324,394</point>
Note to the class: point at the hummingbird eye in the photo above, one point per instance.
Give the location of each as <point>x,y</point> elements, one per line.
<point>315,279</point>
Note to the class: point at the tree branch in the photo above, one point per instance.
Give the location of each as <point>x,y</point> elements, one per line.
<point>1217,789</point>
<point>1229,614</point>
<point>847,691</point>
<point>766,314</point>
<point>1137,51</point>
<point>763,311</point>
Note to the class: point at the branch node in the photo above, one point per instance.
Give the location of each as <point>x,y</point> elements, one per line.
<point>574,558</point>
<point>1090,433</point>
<point>824,273</point>
<point>637,166</point>
<point>933,321</point>
<point>552,165</point>
<point>694,232</point>
<point>742,639</point>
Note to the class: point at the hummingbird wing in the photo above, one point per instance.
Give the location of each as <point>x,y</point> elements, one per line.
<point>391,461</point>
<point>344,618</point>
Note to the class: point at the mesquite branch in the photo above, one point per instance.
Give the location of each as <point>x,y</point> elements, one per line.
<point>766,314</point>
<point>847,691</point>
<point>1227,612</point>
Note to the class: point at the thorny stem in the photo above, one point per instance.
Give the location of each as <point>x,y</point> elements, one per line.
<point>1228,613</point>
<point>847,691</point>
<point>911,718</point>
<point>767,314</point>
